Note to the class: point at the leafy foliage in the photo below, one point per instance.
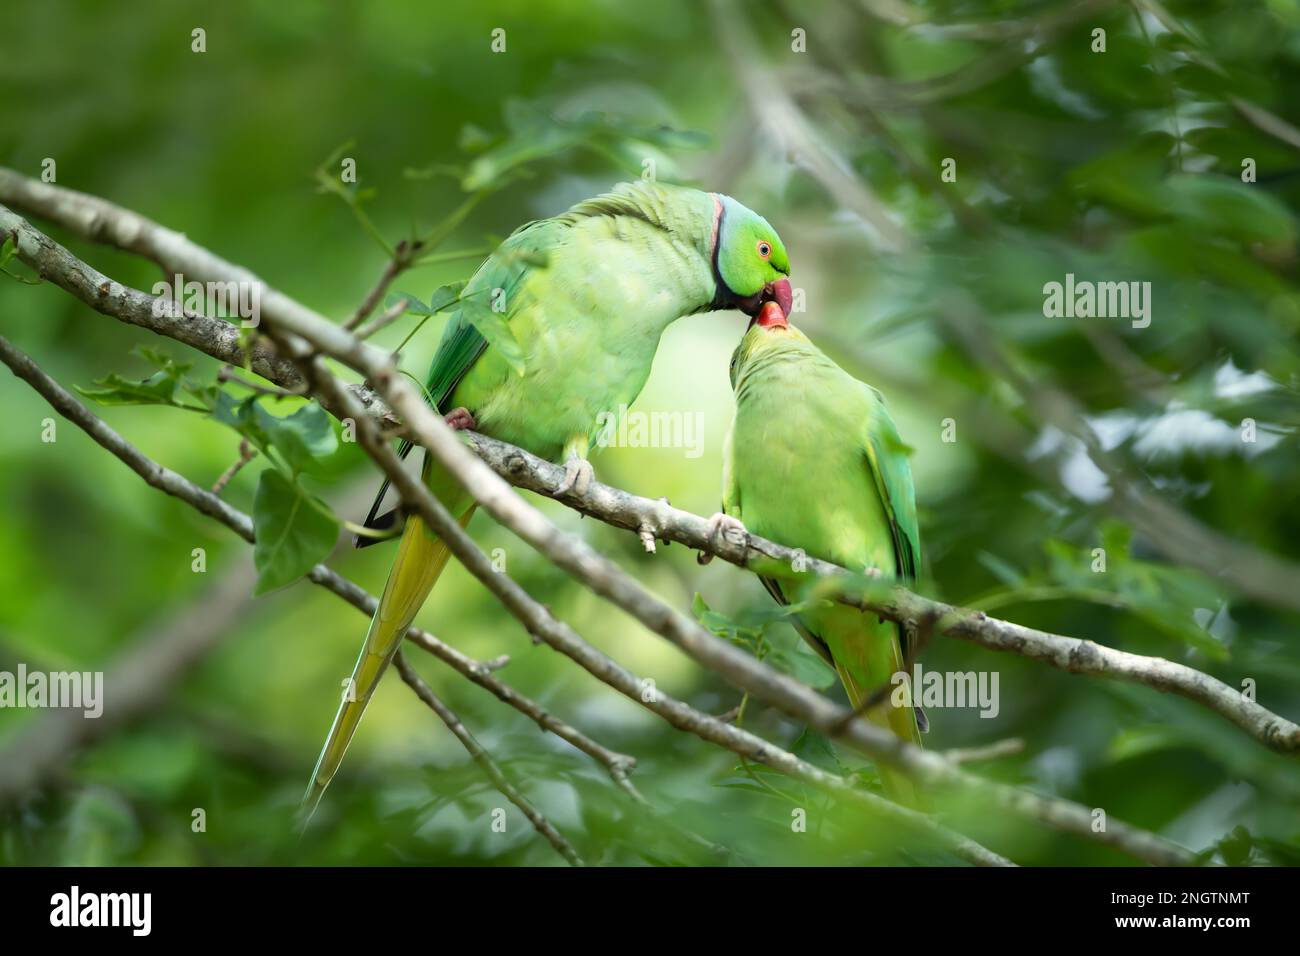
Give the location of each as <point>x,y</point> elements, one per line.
<point>292,534</point>
<point>1118,166</point>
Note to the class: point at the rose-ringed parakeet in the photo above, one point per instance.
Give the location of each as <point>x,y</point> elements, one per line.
<point>586,295</point>
<point>813,461</point>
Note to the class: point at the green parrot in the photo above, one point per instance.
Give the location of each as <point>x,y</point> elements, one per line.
<point>587,296</point>
<point>813,461</point>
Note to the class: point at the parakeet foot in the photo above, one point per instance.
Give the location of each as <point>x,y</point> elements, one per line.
<point>460,419</point>
<point>726,527</point>
<point>578,475</point>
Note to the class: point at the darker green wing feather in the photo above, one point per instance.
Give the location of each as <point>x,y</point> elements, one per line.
<point>886,456</point>
<point>462,345</point>
<point>887,459</point>
<point>816,643</point>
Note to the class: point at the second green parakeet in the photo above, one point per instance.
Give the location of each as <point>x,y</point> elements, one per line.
<point>813,461</point>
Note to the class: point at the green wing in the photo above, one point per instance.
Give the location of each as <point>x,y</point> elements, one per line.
<point>886,456</point>
<point>887,459</point>
<point>462,345</point>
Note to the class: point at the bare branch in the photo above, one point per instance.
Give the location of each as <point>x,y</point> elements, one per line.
<point>606,579</point>
<point>383,320</point>
<point>1267,122</point>
<point>620,509</point>
<point>306,334</point>
<point>536,618</point>
<point>246,454</point>
<point>618,765</point>
<point>540,623</point>
<point>624,510</point>
<point>391,271</point>
<point>485,762</point>
<point>994,751</point>
<point>211,336</point>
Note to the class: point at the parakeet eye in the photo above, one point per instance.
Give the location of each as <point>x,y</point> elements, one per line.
<point>764,249</point>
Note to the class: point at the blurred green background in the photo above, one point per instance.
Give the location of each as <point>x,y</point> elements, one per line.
<point>1117,165</point>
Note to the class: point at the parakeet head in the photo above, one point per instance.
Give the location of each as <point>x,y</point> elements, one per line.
<point>750,264</point>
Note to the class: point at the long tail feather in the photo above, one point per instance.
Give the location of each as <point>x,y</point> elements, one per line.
<point>901,721</point>
<point>421,556</point>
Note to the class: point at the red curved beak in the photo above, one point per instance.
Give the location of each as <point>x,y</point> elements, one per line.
<point>782,295</point>
<point>771,316</point>
<point>778,292</point>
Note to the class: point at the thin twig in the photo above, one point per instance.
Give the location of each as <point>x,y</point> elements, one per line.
<point>227,373</point>
<point>164,479</point>
<point>403,254</point>
<point>246,454</point>
<point>485,762</point>
<point>383,320</point>
<point>536,618</point>
<point>311,333</point>
<point>994,751</point>
<point>606,579</point>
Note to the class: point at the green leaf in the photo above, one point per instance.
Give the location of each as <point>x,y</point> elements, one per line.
<point>818,751</point>
<point>100,829</point>
<point>750,638</point>
<point>1236,846</point>
<point>1134,742</point>
<point>291,534</point>
<point>163,361</point>
<point>1229,208</point>
<point>535,134</point>
<point>7,252</point>
<point>782,648</point>
<point>241,415</point>
<point>413,304</point>
<point>113,389</point>
<point>492,325</point>
<point>303,438</point>
<point>443,297</point>
<point>473,139</point>
<point>158,389</point>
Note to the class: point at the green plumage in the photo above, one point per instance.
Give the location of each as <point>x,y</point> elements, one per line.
<point>587,296</point>
<point>814,461</point>
<point>618,271</point>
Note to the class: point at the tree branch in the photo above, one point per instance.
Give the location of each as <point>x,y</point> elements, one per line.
<point>485,762</point>
<point>1175,534</point>
<point>621,509</point>
<point>536,619</point>
<point>631,512</point>
<point>307,333</point>
<point>606,579</point>
<point>541,624</point>
<point>21,772</point>
<point>214,337</point>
